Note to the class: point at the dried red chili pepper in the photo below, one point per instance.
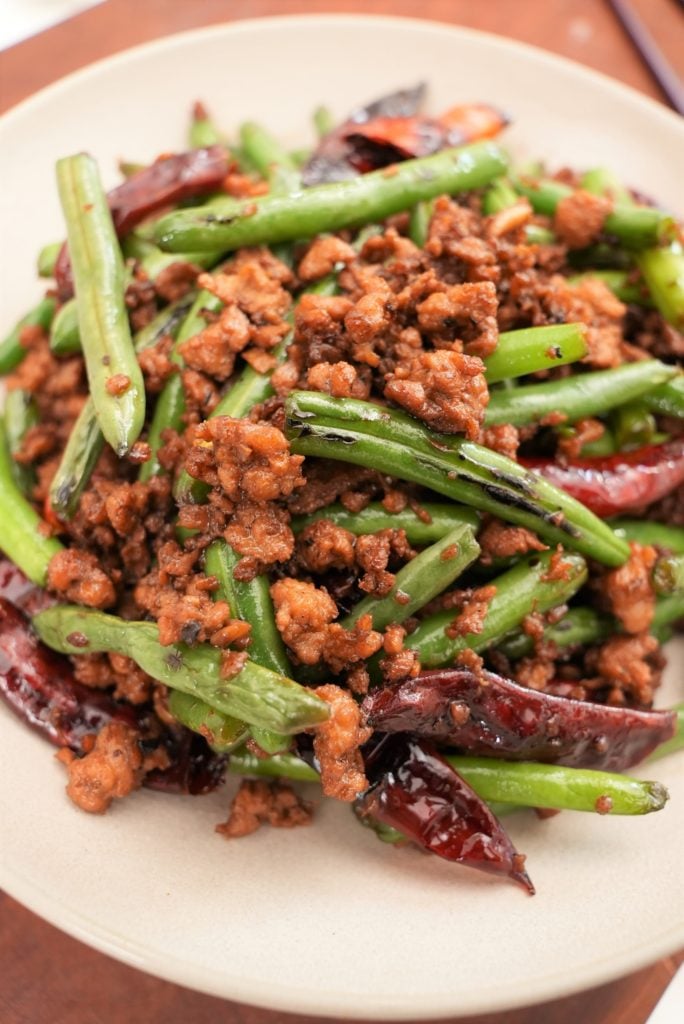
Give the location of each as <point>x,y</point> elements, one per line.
<point>615,484</point>
<point>482,713</point>
<point>39,687</point>
<point>422,796</point>
<point>165,182</point>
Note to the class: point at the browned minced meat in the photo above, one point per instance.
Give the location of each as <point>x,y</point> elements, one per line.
<point>629,665</point>
<point>558,569</point>
<point>535,672</point>
<point>592,303</point>
<point>176,280</point>
<point>323,545</point>
<point>262,534</point>
<point>336,745</point>
<point>473,612</point>
<point>461,309</point>
<point>499,540</point>
<point>322,256</point>
<point>327,482</point>
<point>156,365</point>
<point>584,432</point>
<point>445,389</point>
<point>141,301</point>
<point>373,552</point>
<point>399,662</point>
<point>249,461</point>
<point>503,438</point>
<point>345,647</point>
<point>340,380</point>
<point>112,769</point>
<point>303,613</point>
<point>117,385</point>
<point>101,671</point>
<point>255,286</point>
<point>214,349</point>
<point>628,591</point>
<point>78,576</point>
<point>258,802</point>
<point>579,218</point>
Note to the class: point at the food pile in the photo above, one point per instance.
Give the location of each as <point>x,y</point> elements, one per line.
<point>361,465</point>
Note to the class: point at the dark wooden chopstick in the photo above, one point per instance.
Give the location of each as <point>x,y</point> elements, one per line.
<point>652,56</point>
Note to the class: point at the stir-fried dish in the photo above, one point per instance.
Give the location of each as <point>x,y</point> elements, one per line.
<point>362,466</point>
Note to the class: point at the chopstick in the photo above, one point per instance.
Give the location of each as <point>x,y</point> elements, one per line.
<point>651,55</point>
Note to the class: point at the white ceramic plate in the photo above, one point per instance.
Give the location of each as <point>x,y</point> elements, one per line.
<point>327,920</point>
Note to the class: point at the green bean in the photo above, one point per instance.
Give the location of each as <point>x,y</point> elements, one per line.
<point>299,157</point>
<point>21,413</point>
<point>272,161</point>
<point>668,398</point>
<point>633,426</point>
<point>499,196</point>
<point>127,168</point>
<point>203,131</point>
<point>85,443</point>
<point>668,574</point>
<point>47,258</point>
<point>434,521</point>
<point>580,627</point>
<point>152,261</point>
<point>323,120</point>
<point>620,283</point>
<point>663,271</point>
<point>527,784</point>
<point>221,732</point>
<point>252,603</point>
<point>577,628</point>
<point>250,389</point>
<point>635,227</point>
<point>520,591</point>
<point>647,531</point>
<point>576,397</point>
<point>676,743</point>
<point>65,337</point>
<point>601,181</point>
<point>331,207</point>
<point>255,695</point>
<point>394,443</point>
<point>11,350</point>
<point>24,536</point>
<point>538,235</point>
<point>281,766</point>
<point>421,579</point>
<point>535,348</point>
<point>99,285</point>
<point>79,458</point>
<point>419,224</point>
<point>601,255</point>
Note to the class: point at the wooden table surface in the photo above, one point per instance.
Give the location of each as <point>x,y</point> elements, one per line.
<point>46,976</point>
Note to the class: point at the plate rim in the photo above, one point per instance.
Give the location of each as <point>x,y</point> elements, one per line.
<point>280,997</point>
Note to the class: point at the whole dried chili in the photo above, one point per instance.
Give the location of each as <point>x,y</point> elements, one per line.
<point>164,183</point>
<point>415,791</point>
<point>615,484</point>
<point>482,713</point>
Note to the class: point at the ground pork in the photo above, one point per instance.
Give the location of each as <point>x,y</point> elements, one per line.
<point>373,552</point>
<point>341,380</point>
<point>628,666</point>
<point>628,591</point>
<point>303,613</point>
<point>213,349</point>
<point>156,365</point>
<point>465,313</point>
<point>500,540</point>
<point>583,432</point>
<point>262,534</point>
<point>471,618</point>
<point>257,290</point>
<point>535,672</point>
<point>78,576</point>
<point>445,389</point>
<point>259,802</point>
<point>503,438</point>
<point>345,647</point>
<point>322,545</point>
<point>176,280</point>
<point>399,662</point>
<point>102,671</point>
<point>112,769</point>
<point>579,218</point>
<point>249,461</point>
<point>322,256</point>
<point>336,745</point>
